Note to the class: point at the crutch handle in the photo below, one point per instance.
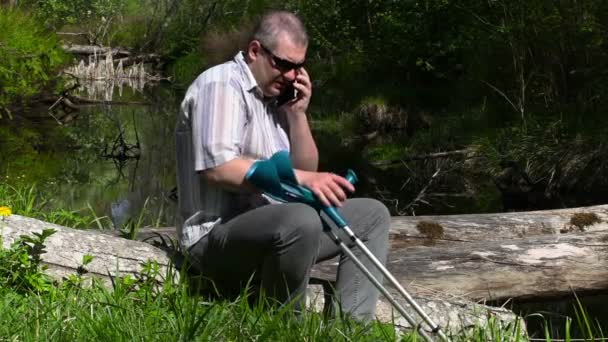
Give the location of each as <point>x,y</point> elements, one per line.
<point>331,211</point>
<point>351,176</point>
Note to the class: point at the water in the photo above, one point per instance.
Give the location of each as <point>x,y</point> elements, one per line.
<point>68,160</point>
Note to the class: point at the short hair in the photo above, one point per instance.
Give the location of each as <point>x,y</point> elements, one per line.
<point>276,22</point>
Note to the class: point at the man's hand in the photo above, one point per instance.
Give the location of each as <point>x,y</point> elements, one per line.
<point>328,187</point>
<point>303,85</point>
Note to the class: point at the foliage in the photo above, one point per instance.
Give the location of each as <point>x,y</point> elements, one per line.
<point>186,68</point>
<point>20,265</point>
<point>29,57</point>
<point>96,17</point>
<point>549,154</point>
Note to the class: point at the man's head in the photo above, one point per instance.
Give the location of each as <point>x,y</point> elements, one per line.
<point>277,51</point>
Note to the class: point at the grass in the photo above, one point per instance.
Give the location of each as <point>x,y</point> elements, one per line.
<point>30,201</point>
<point>134,309</point>
<point>140,309</point>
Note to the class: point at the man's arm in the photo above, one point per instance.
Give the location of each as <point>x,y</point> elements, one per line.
<point>304,153</point>
<point>218,120</point>
<point>230,175</point>
<point>330,188</point>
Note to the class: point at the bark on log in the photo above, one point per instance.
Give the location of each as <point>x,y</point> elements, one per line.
<point>116,256</point>
<point>65,249</point>
<point>464,229</point>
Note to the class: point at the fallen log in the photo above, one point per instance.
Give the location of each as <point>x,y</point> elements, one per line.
<point>407,231</point>
<point>64,249</point>
<point>114,256</point>
<point>483,257</point>
<point>544,267</point>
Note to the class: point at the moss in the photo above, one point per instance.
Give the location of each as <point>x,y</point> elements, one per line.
<point>582,220</point>
<point>430,229</point>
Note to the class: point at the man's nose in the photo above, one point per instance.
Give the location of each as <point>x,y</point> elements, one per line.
<point>290,75</point>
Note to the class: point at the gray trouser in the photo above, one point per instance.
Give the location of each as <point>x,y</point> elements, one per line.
<point>278,244</point>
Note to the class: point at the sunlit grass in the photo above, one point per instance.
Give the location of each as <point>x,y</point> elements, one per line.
<point>126,313</point>
<point>30,201</point>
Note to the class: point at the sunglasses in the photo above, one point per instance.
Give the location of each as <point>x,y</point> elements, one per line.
<point>282,64</point>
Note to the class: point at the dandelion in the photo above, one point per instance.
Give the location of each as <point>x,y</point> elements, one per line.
<point>5,211</point>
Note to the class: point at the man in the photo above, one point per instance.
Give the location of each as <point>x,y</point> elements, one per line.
<point>229,118</point>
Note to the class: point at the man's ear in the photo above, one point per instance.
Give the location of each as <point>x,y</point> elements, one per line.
<point>253,50</point>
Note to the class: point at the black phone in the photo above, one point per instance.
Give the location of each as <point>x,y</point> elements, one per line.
<point>288,94</point>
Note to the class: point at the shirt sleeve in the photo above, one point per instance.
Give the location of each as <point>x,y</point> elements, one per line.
<point>218,119</point>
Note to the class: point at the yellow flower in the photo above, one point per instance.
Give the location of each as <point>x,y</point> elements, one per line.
<point>5,211</point>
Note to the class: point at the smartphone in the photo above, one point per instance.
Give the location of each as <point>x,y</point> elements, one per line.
<point>288,94</point>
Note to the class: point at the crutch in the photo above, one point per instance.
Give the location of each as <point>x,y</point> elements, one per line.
<point>275,176</point>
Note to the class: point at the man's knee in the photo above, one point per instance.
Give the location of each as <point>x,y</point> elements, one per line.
<point>379,208</point>
<point>374,209</point>
<point>301,221</point>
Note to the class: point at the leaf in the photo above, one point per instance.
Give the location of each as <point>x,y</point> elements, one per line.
<point>86,259</point>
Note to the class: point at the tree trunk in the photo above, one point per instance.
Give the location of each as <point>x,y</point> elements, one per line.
<point>536,267</point>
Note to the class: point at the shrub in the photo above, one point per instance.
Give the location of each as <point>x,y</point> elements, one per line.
<point>29,57</point>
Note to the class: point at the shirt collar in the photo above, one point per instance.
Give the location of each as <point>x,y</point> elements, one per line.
<point>250,85</point>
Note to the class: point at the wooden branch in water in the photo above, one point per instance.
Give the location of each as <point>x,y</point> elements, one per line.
<point>437,155</point>
<point>145,58</point>
<point>72,33</point>
<point>93,49</point>
<point>85,100</point>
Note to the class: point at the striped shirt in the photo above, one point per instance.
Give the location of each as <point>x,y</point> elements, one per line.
<point>223,116</point>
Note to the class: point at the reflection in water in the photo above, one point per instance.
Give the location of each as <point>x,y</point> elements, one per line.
<point>120,213</point>
<point>102,75</point>
<point>106,90</point>
<point>67,162</point>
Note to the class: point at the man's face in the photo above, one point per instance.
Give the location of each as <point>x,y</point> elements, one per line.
<point>275,69</point>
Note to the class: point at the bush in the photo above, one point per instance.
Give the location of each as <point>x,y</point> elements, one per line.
<point>29,57</point>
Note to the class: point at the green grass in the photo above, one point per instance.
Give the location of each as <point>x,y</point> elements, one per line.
<point>138,311</point>
<point>32,202</point>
